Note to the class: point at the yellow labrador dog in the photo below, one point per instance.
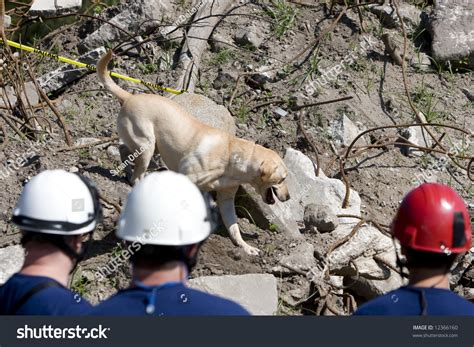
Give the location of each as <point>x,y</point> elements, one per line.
<point>213,159</point>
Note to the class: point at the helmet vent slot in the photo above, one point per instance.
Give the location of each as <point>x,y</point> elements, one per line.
<point>459,237</point>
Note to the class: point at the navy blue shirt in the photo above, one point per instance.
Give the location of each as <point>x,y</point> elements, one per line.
<point>170,299</point>
<point>56,301</point>
<point>408,301</point>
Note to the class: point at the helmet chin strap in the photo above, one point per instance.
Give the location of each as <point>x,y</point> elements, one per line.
<point>402,264</point>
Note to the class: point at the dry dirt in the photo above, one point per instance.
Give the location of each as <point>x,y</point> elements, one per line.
<point>381,176</point>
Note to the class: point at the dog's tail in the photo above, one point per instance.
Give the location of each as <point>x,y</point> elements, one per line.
<point>107,81</point>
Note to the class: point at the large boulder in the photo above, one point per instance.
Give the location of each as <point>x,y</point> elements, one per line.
<point>207,111</point>
<point>255,292</point>
<point>451,25</point>
<point>11,260</point>
<point>305,188</point>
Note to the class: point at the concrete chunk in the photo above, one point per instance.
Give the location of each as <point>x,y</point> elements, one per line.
<point>11,260</point>
<point>255,292</point>
<point>66,74</point>
<point>48,8</point>
<point>451,25</point>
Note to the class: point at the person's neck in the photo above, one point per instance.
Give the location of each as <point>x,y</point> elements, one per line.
<point>428,278</point>
<point>47,261</point>
<point>171,272</point>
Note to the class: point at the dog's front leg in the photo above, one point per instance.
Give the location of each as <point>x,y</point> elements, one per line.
<point>225,200</point>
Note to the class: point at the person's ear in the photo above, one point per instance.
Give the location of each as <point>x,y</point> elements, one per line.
<point>75,242</point>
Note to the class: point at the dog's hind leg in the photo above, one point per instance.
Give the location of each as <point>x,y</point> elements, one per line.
<point>141,163</point>
<point>127,159</point>
<point>225,201</point>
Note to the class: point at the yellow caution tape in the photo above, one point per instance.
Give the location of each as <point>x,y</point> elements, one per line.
<point>90,67</point>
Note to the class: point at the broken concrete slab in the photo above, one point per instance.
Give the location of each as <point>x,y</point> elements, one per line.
<point>49,8</point>
<point>255,292</point>
<point>301,258</point>
<point>451,25</point>
<point>207,111</point>
<point>11,260</point>
<point>305,188</point>
<point>139,16</point>
<point>344,131</point>
<point>57,79</point>
<point>7,21</point>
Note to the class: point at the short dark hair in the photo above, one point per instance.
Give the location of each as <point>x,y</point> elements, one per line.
<point>28,236</point>
<point>153,256</point>
<point>429,260</point>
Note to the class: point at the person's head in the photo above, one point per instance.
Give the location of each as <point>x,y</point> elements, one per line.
<point>57,211</point>
<point>165,220</point>
<point>433,227</point>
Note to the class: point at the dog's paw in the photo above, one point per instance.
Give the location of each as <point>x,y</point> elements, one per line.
<point>251,250</point>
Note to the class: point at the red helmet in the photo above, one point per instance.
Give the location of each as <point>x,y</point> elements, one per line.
<point>433,218</point>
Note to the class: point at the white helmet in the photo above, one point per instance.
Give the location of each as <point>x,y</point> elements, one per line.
<point>166,209</point>
<point>58,202</point>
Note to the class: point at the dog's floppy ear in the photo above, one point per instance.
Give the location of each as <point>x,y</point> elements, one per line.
<point>266,170</point>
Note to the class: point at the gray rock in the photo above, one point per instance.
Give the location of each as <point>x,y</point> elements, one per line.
<point>219,43</point>
<point>66,74</point>
<point>29,95</point>
<point>451,25</point>
<point>264,74</point>
<point>364,249</point>
<point>11,260</point>
<point>279,112</point>
<point>7,21</point>
<point>300,258</point>
<point>421,61</point>
<point>321,217</point>
<point>207,111</point>
<point>250,36</point>
<point>305,188</point>
<point>344,131</point>
<point>370,289</point>
<point>49,8</point>
<point>255,292</point>
<point>113,153</point>
<point>416,137</point>
<point>410,15</point>
<point>225,79</point>
<point>139,17</point>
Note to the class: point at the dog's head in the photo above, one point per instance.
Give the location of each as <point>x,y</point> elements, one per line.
<point>271,181</point>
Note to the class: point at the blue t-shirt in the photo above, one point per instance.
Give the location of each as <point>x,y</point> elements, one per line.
<point>169,299</point>
<point>408,301</point>
<point>51,301</point>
